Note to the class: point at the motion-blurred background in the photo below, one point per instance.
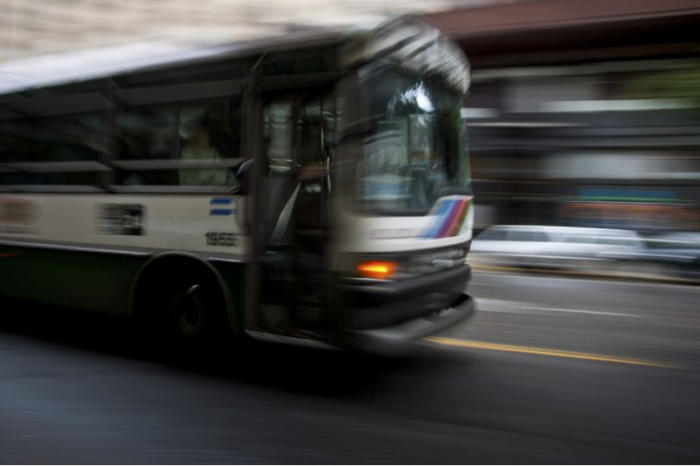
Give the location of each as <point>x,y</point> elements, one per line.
<point>31,27</point>
<point>581,113</point>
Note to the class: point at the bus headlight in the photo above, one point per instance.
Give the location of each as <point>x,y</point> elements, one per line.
<point>377,270</point>
<point>400,266</point>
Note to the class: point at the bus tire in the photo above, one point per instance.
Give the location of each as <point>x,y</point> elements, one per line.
<point>181,300</point>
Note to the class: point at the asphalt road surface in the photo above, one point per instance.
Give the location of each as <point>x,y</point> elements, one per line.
<point>551,370</point>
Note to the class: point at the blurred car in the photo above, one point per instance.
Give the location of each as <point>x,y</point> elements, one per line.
<point>674,255</point>
<point>513,245</point>
<point>553,247</point>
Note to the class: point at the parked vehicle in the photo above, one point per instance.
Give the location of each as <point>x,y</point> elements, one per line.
<point>672,255</point>
<point>552,247</point>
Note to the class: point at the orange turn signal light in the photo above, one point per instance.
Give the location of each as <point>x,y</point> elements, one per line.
<point>376,269</point>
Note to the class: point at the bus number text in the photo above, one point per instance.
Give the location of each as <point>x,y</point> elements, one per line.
<point>221,239</point>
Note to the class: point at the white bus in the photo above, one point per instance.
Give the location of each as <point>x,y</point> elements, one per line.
<point>312,188</point>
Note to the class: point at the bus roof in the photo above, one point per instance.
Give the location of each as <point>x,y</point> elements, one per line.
<point>82,65</point>
<point>77,66</point>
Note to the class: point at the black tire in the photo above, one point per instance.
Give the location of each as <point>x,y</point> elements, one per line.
<point>183,310</point>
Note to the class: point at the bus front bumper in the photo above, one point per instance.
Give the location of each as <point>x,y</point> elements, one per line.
<point>396,339</point>
<point>385,318</point>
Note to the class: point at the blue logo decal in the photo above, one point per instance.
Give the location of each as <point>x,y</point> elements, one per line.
<point>222,206</point>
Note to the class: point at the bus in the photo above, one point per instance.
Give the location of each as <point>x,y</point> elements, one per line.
<point>310,189</point>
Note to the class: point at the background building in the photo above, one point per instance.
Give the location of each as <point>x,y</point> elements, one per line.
<point>31,27</point>
<point>584,113</point>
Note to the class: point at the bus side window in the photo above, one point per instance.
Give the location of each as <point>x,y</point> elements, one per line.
<point>54,137</point>
<point>208,135</point>
<point>180,127</point>
<point>146,134</point>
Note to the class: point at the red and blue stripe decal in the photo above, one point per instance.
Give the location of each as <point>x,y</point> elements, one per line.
<point>451,214</point>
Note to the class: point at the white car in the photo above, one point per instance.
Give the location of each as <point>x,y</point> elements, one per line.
<point>550,246</point>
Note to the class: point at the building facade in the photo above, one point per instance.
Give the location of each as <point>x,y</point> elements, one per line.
<point>584,113</point>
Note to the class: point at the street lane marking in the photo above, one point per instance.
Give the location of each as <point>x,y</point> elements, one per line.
<point>546,352</point>
<point>579,311</point>
<point>515,307</point>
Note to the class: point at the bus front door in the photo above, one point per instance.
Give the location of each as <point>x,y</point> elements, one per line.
<point>293,188</point>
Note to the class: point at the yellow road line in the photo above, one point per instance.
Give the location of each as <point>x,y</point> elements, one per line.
<point>547,352</point>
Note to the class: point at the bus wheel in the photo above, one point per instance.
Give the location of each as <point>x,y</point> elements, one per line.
<point>182,302</point>
<point>194,311</point>
<point>188,312</point>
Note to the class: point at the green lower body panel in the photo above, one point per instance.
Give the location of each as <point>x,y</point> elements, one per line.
<point>234,276</point>
<point>88,281</point>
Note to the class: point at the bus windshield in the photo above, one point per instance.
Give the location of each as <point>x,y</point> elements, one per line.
<point>404,133</point>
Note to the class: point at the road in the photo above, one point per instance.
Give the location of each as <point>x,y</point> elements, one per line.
<point>551,370</point>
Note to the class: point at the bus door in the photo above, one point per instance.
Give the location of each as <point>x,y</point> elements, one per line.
<point>292,221</point>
